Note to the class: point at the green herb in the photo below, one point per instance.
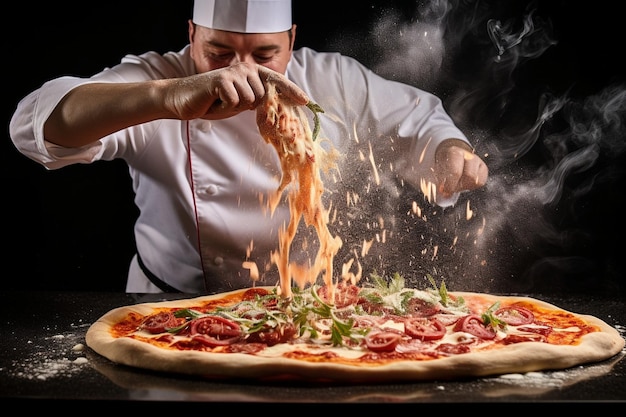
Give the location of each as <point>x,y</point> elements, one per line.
<point>372,297</point>
<point>441,290</point>
<point>315,108</point>
<point>395,284</point>
<point>404,301</point>
<point>187,313</point>
<point>175,330</point>
<point>307,311</point>
<point>444,298</point>
<point>380,288</point>
<point>341,329</point>
<point>489,319</point>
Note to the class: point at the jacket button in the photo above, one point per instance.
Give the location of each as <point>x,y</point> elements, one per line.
<point>211,189</point>
<point>218,260</point>
<point>204,126</point>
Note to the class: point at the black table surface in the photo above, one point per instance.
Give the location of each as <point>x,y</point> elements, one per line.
<point>44,359</point>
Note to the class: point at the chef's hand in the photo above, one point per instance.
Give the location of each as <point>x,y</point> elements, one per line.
<point>458,168</point>
<point>93,110</point>
<point>225,92</point>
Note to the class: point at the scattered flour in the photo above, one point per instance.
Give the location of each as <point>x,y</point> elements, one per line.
<point>537,379</point>
<point>60,355</point>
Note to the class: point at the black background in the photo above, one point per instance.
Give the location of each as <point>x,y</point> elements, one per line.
<point>72,228</point>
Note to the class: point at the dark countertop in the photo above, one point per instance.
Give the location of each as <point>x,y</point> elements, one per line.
<point>41,361</point>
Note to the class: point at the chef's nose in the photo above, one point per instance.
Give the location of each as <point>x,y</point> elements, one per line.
<point>243,58</point>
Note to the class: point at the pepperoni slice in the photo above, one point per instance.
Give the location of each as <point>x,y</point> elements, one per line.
<point>514,315</point>
<point>215,331</point>
<point>424,328</point>
<point>543,329</point>
<point>421,308</point>
<point>519,338</point>
<point>454,349</point>
<point>367,321</point>
<point>252,293</point>
<point>473,324</point>
<point>159,322</point>
<point>345,294</point>
<point>382,341</point>
<point>273,335</point>
<point>447,319</point>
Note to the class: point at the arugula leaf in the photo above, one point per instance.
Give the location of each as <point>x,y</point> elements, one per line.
<point>373,297</point>
<point>187,313</point>
<point>442,290</point>
<point>306,311</point>
<point>339,329</point>
<point>175,330</point>
<point>404,301</point>
<point>395,284</point>
<point>444,297</point>
<point>489,319</point>
<point>315,108</point>
<point>378,281</point>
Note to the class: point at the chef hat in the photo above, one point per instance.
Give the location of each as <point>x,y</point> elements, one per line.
<point>246,16</point>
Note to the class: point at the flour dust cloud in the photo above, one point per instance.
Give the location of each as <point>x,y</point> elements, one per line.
<point>550,150</point>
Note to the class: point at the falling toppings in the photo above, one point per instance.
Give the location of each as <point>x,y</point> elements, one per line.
<point>285,126</point>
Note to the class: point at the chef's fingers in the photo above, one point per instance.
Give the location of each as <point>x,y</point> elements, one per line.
<point>458,169</point>
<point>475,172</point>
<point>238,87</point>
<point>286,87</point>
<point>238,95</point>
<point>448,168</point>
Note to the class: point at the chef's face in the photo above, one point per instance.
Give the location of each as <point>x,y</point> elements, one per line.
<point>212,48</point>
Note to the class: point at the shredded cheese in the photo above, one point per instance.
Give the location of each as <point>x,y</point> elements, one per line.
<point>284,126</point>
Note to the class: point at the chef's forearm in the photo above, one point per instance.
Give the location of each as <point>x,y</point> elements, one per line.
<point>92,111</point>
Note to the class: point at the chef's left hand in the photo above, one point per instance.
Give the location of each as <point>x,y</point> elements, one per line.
<point>458,168</point>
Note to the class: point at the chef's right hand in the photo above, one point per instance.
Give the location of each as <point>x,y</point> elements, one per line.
<point>225,92</point>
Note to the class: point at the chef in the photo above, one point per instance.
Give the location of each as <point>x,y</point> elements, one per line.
<point>184,122</point>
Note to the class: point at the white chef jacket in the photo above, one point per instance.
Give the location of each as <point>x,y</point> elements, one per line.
<point>199,184</point>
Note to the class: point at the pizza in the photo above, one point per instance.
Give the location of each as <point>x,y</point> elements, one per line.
<point>378,331</point>
<point>346,329</point>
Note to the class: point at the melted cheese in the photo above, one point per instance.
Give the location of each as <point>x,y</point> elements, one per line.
<point>321,349</point>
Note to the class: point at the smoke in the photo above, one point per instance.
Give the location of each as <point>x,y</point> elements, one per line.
<point>538,224</point>
<point>415,55</point>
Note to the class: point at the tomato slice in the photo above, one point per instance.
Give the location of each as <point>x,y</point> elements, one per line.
<point>382,341</point>
<point>514,315</point>
<point>473,324</point>
<point>424,328</point>
<point>215,331</point>
<point>159,322</point>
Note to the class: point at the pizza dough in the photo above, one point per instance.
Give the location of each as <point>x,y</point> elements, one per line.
<point>343,363</point>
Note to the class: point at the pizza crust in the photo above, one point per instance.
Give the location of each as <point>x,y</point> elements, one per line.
<point>515,358</point>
